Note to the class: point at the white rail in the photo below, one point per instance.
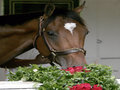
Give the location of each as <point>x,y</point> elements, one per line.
<point>118,80</point>
<point>18,85</point>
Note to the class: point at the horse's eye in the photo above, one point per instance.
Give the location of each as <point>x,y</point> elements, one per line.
<point>51,33</point>
<point>87,33</point>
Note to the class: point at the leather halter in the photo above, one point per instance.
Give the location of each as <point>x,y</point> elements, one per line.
<point>53,53</point>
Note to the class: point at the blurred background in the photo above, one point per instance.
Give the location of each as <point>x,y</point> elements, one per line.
<point>102,18</point>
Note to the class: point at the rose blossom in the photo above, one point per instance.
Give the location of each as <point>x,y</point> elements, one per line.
<point>78,68</point>
<point>96,87</point>
<point>70,69</point>
<point>83,86</point>
<point>74,87</point>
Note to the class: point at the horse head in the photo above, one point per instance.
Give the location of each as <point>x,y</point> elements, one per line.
<point>61,36</point>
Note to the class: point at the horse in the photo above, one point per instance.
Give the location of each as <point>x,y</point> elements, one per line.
<point>58,35</point>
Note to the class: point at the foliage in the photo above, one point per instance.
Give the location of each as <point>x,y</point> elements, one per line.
<point>56,79</point>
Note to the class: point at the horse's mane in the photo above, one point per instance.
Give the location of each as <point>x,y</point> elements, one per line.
<point>18,19</point>
<point>22,18</point>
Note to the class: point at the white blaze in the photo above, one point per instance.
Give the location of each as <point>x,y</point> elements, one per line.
<point>70,26</point>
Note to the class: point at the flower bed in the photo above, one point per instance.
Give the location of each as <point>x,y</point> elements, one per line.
<point>90,77</point>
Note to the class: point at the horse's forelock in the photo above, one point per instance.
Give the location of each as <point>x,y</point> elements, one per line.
<point>65,14</point>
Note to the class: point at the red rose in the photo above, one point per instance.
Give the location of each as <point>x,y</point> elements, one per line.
<point>74,87</point>
<point>78,68</point>
<point>70,69</point>
<point>84,86</point>
<point>96,87</point>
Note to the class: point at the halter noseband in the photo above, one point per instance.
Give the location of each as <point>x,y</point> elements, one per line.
<point>54,53</point>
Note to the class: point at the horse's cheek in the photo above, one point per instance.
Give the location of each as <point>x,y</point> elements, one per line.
<point>42,47</point>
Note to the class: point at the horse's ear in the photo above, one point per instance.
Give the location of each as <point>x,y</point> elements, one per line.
<point>80,8</point>
<point>49,9</point>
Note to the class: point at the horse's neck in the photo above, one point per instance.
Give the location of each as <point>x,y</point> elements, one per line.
<point>31,26</point>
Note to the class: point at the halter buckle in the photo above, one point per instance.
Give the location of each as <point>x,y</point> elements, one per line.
<point>53,54</point>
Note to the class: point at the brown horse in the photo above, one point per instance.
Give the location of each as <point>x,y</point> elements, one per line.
<point>58,35</point>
